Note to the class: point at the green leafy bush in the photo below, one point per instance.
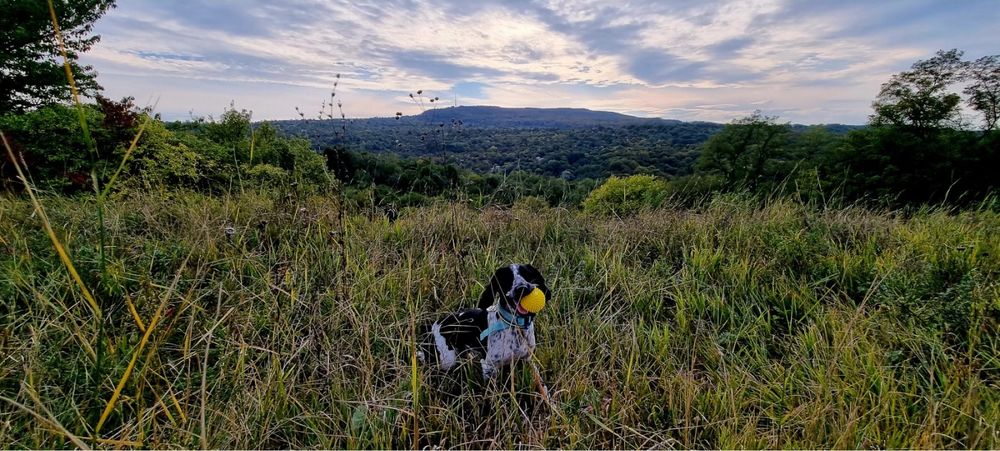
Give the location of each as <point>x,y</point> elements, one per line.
<point>266,176</point>
<point>307,166</point>
<point>626,196</point>
<point>165,158</point>
<point>51,142</point>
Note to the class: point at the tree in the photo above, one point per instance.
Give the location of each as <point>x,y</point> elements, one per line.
<point>232,129</point>
<point>745,152</point>
<point>31,67</point>
<point>919,98</point>
<point>916,150</point>
<point>983,90</point>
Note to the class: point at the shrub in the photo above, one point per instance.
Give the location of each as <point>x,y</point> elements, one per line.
<point>531,203</point>
<point>626,196</point>
<point>266,176</point>
<point>51,142</point>
<point>307,166</point>
<point>165,158</point>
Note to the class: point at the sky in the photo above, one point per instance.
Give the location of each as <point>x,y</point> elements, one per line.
<point>810,62</point>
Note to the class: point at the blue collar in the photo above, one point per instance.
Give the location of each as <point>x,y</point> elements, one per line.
<point>508,319</point>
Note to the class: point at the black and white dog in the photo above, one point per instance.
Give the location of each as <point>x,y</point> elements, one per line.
<point>498,333</point>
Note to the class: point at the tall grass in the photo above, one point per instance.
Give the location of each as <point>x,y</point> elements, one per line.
<point>261,320</point>
<point>734,325</point>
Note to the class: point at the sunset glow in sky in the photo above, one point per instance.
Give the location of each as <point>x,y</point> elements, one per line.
<point>805,61</point>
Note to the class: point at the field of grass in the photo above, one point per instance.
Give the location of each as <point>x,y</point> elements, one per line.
<point>261,321</point>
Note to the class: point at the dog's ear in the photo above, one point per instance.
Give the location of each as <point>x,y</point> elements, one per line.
<point>502,277</point>
<point>531,274</point>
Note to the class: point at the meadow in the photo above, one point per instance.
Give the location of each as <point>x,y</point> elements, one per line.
<point>242,288</point>
<point>273,319</point>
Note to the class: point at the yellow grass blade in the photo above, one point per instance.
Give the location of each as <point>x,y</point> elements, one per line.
<point>69,77</point>
<point>128,370</point>
<point>135,314</point>
<point>138,351</point>
<point>63,255</point>
<point>62,49</point>
<point>166,410</point>
<point>251,142</point>
<point>414,384</point>
<point>177,405</point>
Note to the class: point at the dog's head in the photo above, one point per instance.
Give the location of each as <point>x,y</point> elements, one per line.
<point>527,294</point>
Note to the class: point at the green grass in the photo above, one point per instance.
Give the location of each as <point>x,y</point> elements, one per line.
<point>730,326</point>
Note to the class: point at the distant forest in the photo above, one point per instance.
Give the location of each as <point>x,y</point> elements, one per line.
<point>557,142</point>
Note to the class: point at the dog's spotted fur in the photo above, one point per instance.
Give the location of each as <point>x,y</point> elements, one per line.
<point>507,345</point>
<point>459,332</point>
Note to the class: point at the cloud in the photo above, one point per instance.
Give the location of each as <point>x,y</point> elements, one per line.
<point>440,68</point>
<point>728,48</point>
<point>685,59</point>
<point>659,67</point>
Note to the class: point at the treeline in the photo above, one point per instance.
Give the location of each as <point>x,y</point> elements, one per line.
<point>557,142</point>
<point>918,147</point>
<point>229,153</point>
<point>594,151</point>
<point>392,181</point>
<point>209,156</point>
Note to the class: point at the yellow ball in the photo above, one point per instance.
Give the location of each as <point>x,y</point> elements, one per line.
<point>534,301</point>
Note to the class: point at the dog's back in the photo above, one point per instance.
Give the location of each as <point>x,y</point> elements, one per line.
<point>453,336</point>
<point>460,333</point>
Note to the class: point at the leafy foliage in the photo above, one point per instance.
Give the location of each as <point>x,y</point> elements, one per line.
<point>31,67</point>
<point>914,150</point>
<point>51,142</point>
<point>626,196</point>
<point>983,89</point>
<point>210,155</point>
<point>747,151</point>
<point>919,98</point>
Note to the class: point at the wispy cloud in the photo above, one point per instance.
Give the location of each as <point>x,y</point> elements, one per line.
<point>817,61</point>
